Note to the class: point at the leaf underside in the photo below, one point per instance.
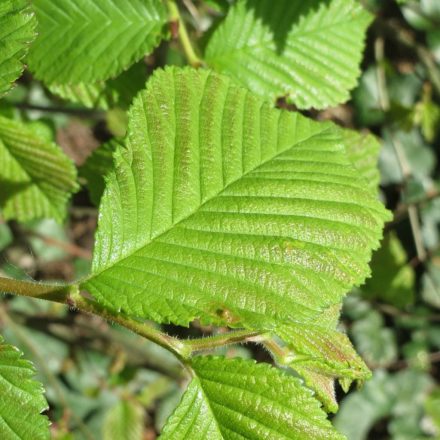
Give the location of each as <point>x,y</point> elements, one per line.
<point>22,398</point>
<point>17,31</point>
<point>83,41</point>
<point>238,399</point>
<point>307,52</point>
<point>36,178</point>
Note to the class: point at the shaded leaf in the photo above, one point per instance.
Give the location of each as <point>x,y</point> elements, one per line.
<point>393,278</point>
<point>36,178</point>
<point>375,342</point>
<point>119,91</point>
<point>96,167</point>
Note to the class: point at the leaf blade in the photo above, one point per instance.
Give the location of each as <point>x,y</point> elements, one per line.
<point>76,38</point>
<point>276,207</point>
<point>300,52</point>
<point>37,178</point>
<point>237,398</point>
<point>22,398</point>
<point>17,24</point>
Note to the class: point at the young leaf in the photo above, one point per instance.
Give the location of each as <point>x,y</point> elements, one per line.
<point>22,398</point>
<point>17,31</point>
<point>224,209</point>
<point>36,177</point>
<point>237,398</point>
<point>308,52</point>
<point>82,41</point>
<point>321,355</point>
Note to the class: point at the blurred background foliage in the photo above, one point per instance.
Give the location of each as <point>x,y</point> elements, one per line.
<point>103,382</point>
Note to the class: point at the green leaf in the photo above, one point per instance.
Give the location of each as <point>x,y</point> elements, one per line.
<point>224,209</point>
<point>309,53</point>
<point>237,398</point>
<point>36,178</point>
<point>22,398</point>
<point>320,355</point>
<point>432,404</point>
<point>17,31</point>
<point>375,342</point>
<point>125,421</point>
<point>393,278</point>
<point>362,409</point>
<point>119,91</point>
<point>82,41</point>
<point>96,167</point>
<point>399,397</point>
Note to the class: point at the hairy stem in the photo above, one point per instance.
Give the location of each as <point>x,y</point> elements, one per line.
<point>182,33</point>
<point>51,292</point>
<point>222,339</point>
<point>71,296</point>
<point>178,348</point>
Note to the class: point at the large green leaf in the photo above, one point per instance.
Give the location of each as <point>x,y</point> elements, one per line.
<point>224,209</point>
<point>36,177</point>
<point>17,31</point>
<point>237,399</point>
<point>82,41</point>
<point>22,398</point>
<point>306,51</point>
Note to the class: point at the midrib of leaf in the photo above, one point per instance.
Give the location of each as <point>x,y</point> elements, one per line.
<point>161,233</point>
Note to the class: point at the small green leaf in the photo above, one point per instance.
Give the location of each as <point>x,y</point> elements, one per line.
<point>362,409</point>
<point>17,31</point>
<point>321,355</point>
<point>83,41</point>
<point>36,178</point>
<point>97,166</point>
<point>22,399</point>
<point>124,421</point>
<point>236,398</point>
<point>309,53</point>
